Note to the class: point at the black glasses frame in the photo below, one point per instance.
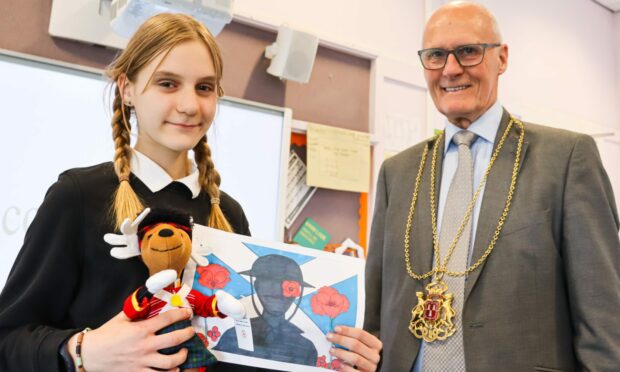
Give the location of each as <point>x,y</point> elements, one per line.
<point>484,46</point>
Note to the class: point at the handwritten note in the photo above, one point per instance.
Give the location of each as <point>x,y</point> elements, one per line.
<point>338,158</point>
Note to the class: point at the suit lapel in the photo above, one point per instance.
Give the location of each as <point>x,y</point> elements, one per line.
<point>494,199</point>
<point>422,237</point>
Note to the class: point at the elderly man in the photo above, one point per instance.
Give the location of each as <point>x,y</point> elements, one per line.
<point>494,245</point>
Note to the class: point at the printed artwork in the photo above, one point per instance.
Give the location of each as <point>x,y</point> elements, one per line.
<point>294,296</point>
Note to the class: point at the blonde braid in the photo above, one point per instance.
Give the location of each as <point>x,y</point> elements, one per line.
<point>126,203</point>
<point>210,180</point>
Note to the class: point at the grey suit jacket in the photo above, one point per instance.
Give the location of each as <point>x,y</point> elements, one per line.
<point>548,297</point>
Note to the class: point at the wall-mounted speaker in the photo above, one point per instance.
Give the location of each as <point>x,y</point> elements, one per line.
<point>292,55</point>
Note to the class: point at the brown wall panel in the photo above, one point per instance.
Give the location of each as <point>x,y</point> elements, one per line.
<point>337,94</point>
<point>23,28</point>
<point>245,67</point>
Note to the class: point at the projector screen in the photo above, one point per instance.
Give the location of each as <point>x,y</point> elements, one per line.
<point>57,117</point>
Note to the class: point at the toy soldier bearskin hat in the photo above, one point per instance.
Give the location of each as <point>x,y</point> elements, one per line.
<point>169,216</point>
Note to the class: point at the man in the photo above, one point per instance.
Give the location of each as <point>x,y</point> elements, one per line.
<point>526,269</point>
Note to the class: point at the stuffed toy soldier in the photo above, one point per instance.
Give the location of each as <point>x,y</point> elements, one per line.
<point>163,239</point>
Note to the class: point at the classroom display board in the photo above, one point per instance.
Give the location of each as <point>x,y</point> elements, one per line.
<point>56,117</point>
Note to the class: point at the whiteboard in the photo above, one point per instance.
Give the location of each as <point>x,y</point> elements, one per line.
<point>56,117</point>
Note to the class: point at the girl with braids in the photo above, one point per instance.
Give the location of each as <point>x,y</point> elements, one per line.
<point>167,81</point>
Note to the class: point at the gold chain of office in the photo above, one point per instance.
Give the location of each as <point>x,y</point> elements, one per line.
<point>439,268</point>
<point>431,318</point>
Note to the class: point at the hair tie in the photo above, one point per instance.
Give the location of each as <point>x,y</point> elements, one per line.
<point>123,179</point>
<point>215,201</point>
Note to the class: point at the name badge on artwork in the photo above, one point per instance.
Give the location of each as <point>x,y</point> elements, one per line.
<point>243,328</point>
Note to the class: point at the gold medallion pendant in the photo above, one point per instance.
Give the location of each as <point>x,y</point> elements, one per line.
<point>431,318</point>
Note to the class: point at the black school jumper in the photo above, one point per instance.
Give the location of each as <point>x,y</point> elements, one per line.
<point>64,278</point>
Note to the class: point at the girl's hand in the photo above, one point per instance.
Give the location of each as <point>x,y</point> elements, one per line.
<point>363,348</point>
<point>123,345</point>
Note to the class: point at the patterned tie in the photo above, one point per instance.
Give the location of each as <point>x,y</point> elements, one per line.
<point>448,355</point>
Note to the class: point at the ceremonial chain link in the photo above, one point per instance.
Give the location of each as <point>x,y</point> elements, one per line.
<point>441,269</point>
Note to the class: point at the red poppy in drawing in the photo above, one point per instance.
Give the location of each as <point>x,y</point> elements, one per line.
<point>327,301</point>
<point>214,333</point>
<point>321,362</point>
<point>213,276</point>
<point>290,288</point>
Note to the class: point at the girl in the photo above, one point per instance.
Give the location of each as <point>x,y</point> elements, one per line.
<point>64,279</point>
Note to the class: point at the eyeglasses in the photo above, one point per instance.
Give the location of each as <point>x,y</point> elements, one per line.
<point>466,55</point>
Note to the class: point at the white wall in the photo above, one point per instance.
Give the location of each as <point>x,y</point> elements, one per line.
<point>617,50</point>
<point>391,28</point>
<point>610,147</point>
<point>561,64</point>
<point>562,68</point>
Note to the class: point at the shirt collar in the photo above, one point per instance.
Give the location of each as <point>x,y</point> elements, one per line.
<point>485,127</point>
<point>156,178</point>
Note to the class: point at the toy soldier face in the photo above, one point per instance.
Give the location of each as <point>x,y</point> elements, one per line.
<point>166,247</point>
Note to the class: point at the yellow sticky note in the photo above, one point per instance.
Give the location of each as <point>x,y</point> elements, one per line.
<point>338,158</point>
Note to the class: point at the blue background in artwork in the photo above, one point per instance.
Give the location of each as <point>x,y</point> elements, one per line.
<point>347,287</point>
<point>238,286</point>
<point>260,251</point>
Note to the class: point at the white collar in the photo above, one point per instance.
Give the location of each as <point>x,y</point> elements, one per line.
<point>485,126</point>
<point>156,178</point>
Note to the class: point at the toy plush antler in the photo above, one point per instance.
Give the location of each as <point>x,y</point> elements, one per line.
<point>163,239</point>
